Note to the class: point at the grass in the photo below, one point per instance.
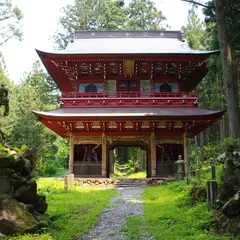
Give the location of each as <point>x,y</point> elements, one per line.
<point>169,215</point>
<point>137,175</point>
<point>74,212</point>
<point>129,175</point>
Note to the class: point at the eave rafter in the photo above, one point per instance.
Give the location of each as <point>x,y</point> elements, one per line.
<point>128,126</point>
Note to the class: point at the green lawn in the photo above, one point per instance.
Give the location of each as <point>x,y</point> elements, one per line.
<point>74,211</point>
<point>169,215</point>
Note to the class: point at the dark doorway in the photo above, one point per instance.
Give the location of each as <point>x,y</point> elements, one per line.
<point>91,88</point>
<point>165,88</point>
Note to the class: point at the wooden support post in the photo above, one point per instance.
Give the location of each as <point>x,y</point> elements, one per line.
<point>104,155</point>
<point>185,146</point>
<point>153,155</point>
<point>71,153</point>
<point>149,160</point>
<point>111,162</point>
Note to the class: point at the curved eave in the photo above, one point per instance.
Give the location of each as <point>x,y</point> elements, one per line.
<point>52,119</point>
<point>75,54</point>
<point>163,113</point>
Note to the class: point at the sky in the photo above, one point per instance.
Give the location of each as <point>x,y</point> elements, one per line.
<point>40,22</point>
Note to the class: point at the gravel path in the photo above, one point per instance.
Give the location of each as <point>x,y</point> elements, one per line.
<point>126,203</point>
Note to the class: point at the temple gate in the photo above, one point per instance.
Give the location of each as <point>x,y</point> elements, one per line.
<point>127,88</point>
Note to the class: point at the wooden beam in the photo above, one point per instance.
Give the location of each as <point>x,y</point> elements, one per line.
<point>186,153</point>
<point>153,155</point>
<point>104,155</point>
<point>71,153</point>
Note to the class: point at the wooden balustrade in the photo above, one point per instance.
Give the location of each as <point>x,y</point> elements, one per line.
<point>128,94</point>
<point>128,99</point>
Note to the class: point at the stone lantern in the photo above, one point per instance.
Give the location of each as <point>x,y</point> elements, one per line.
<point>180,167</point>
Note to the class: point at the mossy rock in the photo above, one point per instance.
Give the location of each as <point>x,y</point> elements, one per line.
<point>27,193</point>
<point>6,162</point>
<point>14,217</point>
<point>231,208</point>
<point>234,226</point>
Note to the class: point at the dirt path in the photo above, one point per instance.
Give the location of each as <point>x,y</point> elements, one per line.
<point>126,203</point>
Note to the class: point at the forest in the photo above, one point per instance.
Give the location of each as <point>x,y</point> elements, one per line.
<point>177,215</point>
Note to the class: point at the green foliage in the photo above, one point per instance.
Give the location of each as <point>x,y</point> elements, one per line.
<point>44,85</point>
<point>107,15</point>
<point>37,92</point>
<point>194,32</point>
<point>10,17</point>
<point>73,212</point>
<point>235,143</point>
<point>143,15</point>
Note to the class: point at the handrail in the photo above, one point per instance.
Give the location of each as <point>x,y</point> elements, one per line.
<point>129,94</point>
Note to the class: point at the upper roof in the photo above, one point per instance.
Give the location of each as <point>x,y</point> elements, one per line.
<point>91,50</point>
<point>128,42</point>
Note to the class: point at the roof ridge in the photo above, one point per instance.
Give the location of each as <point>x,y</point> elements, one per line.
<point>81,34</point>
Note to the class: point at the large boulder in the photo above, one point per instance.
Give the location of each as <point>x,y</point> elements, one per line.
<point>5,186</point>
<point>230,175</point>
<point>23,166</point>
<point>27,193</point>
<point>6,162</point>
<point>14,217</point>
<point>41,204</point>
<point>234,225</point>
<point>231,208</point>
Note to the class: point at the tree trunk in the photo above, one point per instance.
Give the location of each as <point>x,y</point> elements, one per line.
<point>202,147</point>
<point>228,71</point>
<point>196,149</point>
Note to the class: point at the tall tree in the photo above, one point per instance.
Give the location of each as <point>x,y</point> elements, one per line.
<point>44,85</point>
<point>194,32</point>
<point>230,79</point>
<point>107,15</point>
<point>10,17</point>
<point>89,15</point>
<point>143,15</point>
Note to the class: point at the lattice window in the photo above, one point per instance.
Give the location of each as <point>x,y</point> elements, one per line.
<point>90,88</point>
<point>165,88</point>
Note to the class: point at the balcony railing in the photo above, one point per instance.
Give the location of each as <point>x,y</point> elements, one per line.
<point>129,99</point>
<point>129,95</point>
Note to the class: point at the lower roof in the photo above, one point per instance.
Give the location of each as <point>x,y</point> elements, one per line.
<point>189,112</point>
